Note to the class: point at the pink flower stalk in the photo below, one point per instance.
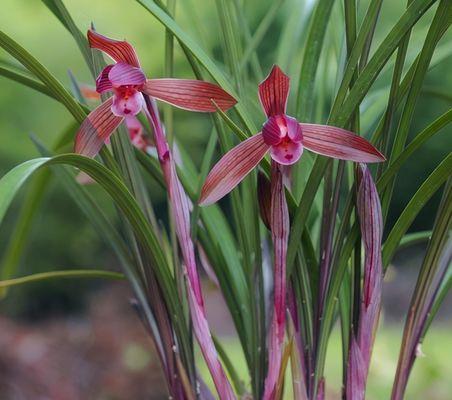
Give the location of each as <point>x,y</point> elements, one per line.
<point>180,208</point>
<point>284,138</point>
<point>279,226</point>
<point>371,222</point>
<point>127,82</point>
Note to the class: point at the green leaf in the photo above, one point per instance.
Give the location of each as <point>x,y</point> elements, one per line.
<point>343,112</point>
<point>13,180</point>
<point>76,273</point>
<point>37,69</point>
<point>199,54</point>
<point>435,180</point>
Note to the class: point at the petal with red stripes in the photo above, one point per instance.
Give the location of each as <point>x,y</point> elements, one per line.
<point>232,169</point>
<point>274,91</point>
<point>96,129</point>
<point>339,143</point>
<point>189,94</point>
<point>122,74</point>
<point>119,50</point>
<point>103,82</point>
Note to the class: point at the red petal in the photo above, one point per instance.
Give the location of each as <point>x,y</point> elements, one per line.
<point>124,74</point>
<point>189,94</point>
<point>273,92</point>
<point>232,168</point>
<point>339,143</point>
<point>103,81</point>
<point>96,129</point>
<point>117,49</point>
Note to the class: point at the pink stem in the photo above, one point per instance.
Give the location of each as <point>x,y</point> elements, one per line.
<point>180,209</point>
<point>280,234</point>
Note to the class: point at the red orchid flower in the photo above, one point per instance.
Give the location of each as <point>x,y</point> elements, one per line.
<point>284,138</point>
<point>127,81</point>
<point>136,131</point>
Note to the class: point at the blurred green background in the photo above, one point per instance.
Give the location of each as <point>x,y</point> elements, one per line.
<point>63,238</point>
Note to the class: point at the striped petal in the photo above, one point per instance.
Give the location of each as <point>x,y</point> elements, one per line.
<point>232,168</point>
<point>274,91</point>
<point>119,50</point>
<point>103,82</point>
<point>339,143</point>
<point>122,74</point>
<point>96,129</point>
<point>189,94</point>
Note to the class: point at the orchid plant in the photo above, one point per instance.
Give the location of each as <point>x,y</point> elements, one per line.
<point>328,243</point>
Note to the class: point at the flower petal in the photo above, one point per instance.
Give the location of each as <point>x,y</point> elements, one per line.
<point>287,152</point>
<point>274,130</point>
<point>273,92</point>
<point>232,168</point>
<point>96,129</point>
<point>122,74</point>
<point>339,143</point>
<point>116,49</point>
<point>127,105</point>
<point>189,94</point>
<point>103,82</point>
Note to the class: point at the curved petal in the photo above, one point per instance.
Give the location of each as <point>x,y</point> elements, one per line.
<point>117,49</point>
<point>189,94</point>
<point>273,92</point>
<point>103,82</point>
<point>274,130</point>
<point>96,129</point>
<point>127,105</point>
<point>287,152</point>
<point>339,143</point>
<point>293,129</point>
<point>232,168</point>
<point>122,74</point>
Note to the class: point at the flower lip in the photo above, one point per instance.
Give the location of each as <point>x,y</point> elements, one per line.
<point>127,101</point>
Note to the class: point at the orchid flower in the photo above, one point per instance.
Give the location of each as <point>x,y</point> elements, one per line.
<point>284,138</point>
<point>127,82</point>
<point>136,132</point>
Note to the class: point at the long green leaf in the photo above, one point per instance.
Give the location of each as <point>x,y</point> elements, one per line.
<point>76,273</point>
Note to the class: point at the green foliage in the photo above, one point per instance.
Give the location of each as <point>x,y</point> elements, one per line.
<point>363,67</point>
